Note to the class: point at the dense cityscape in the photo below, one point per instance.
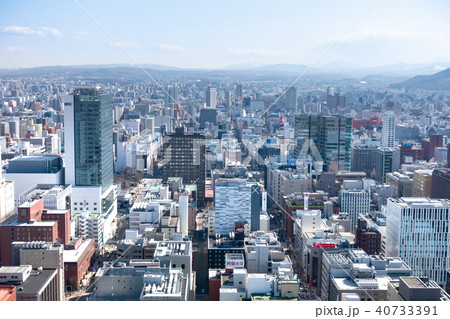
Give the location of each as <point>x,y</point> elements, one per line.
<point>136,183</point>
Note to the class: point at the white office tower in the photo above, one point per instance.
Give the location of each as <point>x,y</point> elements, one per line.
<point>417,232</point>
<point>88,134</point>
<point>211,97</point>
<point>233,199</point>
<point>388,129</point>
<point>354,202</point>
<point>183,212</point>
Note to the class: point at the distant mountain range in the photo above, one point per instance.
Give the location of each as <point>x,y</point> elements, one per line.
<point>438,81</point>
<point>395,73</point>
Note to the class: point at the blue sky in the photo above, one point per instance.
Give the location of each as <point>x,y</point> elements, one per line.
<point>213,34</point>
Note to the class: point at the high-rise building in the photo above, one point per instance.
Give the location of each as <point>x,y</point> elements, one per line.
<point>440,154</point>
<point>171,95</point>
<point>448,155</point>
<point>228,99</point>
<point>239,91</point>
<point>211,97</point>
<point>291,100</point>
<point>430,143</point>
<point>234,202</point>
<point>88,123</point>
<point>440,183</point>
<point>417,232</point>
<point>410,153</point>
<point>364,159</point>
<point>335,100</point>
<point>331,136</point>
<point>184,156</point>
<point>388,129</point>
<point>387,161</point>
<point>422,183</point>
<point>208,115</point>
<point>354,202</point>
<point>402,185</point>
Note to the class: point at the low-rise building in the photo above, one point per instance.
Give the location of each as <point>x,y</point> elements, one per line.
<point>77,260</point>
<point>31,284</point>
<point>141,283</point>
<point>415,289</point>
<point>353,271</point>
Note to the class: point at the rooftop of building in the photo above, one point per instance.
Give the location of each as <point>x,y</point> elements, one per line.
<point>13,222</point>
<point>233,256</point>
<point>6,291</point>
<point>30,203</point>
<point>163,284</point>
<point>425,172</point>
<point>35,158</point>
<point>225,242</point>
<point>366,284</point>
<point>166,248</point>
<point>45,189</point>
<point>56,211</point>
<point>413,282</point>
<point>39,245</point>
<point>37,281</point>
<point>411,202</point>
<point>14,269</point>
<point>73,256</point>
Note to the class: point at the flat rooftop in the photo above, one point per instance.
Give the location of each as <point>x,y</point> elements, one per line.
<point>29,203</point>
<point>72,256</point>
<point>172,248</point>
<point>37,281</point>
<point>377,283</point>
<point>424,202</point>
<point>13,269</point>
<point>414,282</point>
<point>14,222</point>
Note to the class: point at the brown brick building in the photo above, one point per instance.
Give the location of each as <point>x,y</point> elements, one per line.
<point>62,216</point>
<point>32,223</point>
<point>77,261</point>
<point>368,239</point>
<point>428,145</point>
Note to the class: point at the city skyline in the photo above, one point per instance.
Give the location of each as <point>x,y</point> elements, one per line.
<point>249,33</point>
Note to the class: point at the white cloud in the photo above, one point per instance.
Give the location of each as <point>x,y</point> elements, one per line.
<point>172,47</point>
<point>27,31</point>
<point>259,51</point>
<point>15,49</point>
<point>385,34</point>
<point>124,44</point>
<point>81,35</point>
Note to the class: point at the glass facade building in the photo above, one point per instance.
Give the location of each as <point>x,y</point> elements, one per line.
<point>93,138</point>
<point>331,135</point>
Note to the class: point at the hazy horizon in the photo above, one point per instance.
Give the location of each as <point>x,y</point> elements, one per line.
<point>204,35</point>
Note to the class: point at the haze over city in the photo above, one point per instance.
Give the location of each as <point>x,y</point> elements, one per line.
<point>293,151</point>
<point>204,34</point>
